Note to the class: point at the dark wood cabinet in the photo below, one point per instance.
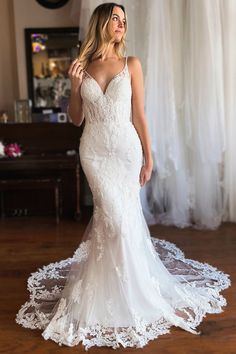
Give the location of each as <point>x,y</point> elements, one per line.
<point>50,152</point>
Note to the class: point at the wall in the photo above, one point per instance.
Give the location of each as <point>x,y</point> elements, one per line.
<point>8,66</point>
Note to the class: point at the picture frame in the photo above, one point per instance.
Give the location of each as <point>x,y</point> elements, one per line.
<point>23,111</point>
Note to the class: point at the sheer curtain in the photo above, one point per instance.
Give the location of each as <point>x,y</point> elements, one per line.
<point>228,15</point>
<point>188,54</point>
<point>167,195</point>
<point>204,109</point>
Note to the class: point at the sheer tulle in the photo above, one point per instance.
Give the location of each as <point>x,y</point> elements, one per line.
<point>122,286</point>
<point>113,303</point>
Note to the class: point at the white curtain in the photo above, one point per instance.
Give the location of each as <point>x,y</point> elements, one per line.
<point>167,195</point>
<point>228,16</point>
<point>188,54</point>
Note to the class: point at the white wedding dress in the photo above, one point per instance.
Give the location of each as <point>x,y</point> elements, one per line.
<point>121,286</point>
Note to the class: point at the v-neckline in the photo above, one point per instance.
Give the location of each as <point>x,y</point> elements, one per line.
<point>105,92</point>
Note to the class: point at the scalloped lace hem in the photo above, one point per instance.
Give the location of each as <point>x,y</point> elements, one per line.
<point>98,335</point>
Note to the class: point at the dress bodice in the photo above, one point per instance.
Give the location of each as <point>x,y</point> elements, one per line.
<point>113,105</point>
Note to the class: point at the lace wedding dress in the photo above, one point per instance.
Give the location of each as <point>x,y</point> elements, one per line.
<point>121,286</point>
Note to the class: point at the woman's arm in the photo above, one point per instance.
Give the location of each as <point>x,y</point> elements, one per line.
<point>74,108</point>
<point>138,115</point>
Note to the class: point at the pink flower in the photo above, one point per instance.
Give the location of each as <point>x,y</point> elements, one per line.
<point>12,150</point>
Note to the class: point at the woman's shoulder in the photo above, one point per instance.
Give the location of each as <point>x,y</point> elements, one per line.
<point>133,60</point>
<point>133,63</point>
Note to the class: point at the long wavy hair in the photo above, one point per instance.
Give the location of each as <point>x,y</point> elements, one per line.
<point>98,39</point>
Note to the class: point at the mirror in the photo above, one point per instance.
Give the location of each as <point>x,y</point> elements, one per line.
<point>52,4</point>
<point>49,53</point>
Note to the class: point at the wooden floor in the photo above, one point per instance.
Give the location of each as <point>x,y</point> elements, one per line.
<point>29,243</point>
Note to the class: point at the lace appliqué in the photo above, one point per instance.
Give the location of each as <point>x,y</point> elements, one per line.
<point>30,315</point>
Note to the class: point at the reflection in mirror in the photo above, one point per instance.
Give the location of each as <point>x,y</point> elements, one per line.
<point>50,52</point>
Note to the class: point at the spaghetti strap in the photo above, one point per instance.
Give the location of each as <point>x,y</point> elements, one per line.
<point>85,71</point>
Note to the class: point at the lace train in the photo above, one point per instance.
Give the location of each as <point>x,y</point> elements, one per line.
<point>46,285</point>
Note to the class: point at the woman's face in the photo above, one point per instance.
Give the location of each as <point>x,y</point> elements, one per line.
<point>117,24</point>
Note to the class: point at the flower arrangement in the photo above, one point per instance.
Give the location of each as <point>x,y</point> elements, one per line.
<point>10,150</point>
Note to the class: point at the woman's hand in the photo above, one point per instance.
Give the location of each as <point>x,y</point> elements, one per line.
<point>76,75</point>
<point>145,173</point>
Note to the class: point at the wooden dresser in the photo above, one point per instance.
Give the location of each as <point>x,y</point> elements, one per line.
<point>50,153</point>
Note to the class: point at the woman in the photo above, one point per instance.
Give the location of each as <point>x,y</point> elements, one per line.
<point>121,287</point>
<point>104,64</point>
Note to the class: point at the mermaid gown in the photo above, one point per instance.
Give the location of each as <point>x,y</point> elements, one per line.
<point>121,287</point>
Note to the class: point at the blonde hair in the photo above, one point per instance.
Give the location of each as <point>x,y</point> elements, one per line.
<point>97,39</point>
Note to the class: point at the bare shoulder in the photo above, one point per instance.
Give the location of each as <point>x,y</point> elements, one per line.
<point>133,61</point>
<point>134,65</point>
